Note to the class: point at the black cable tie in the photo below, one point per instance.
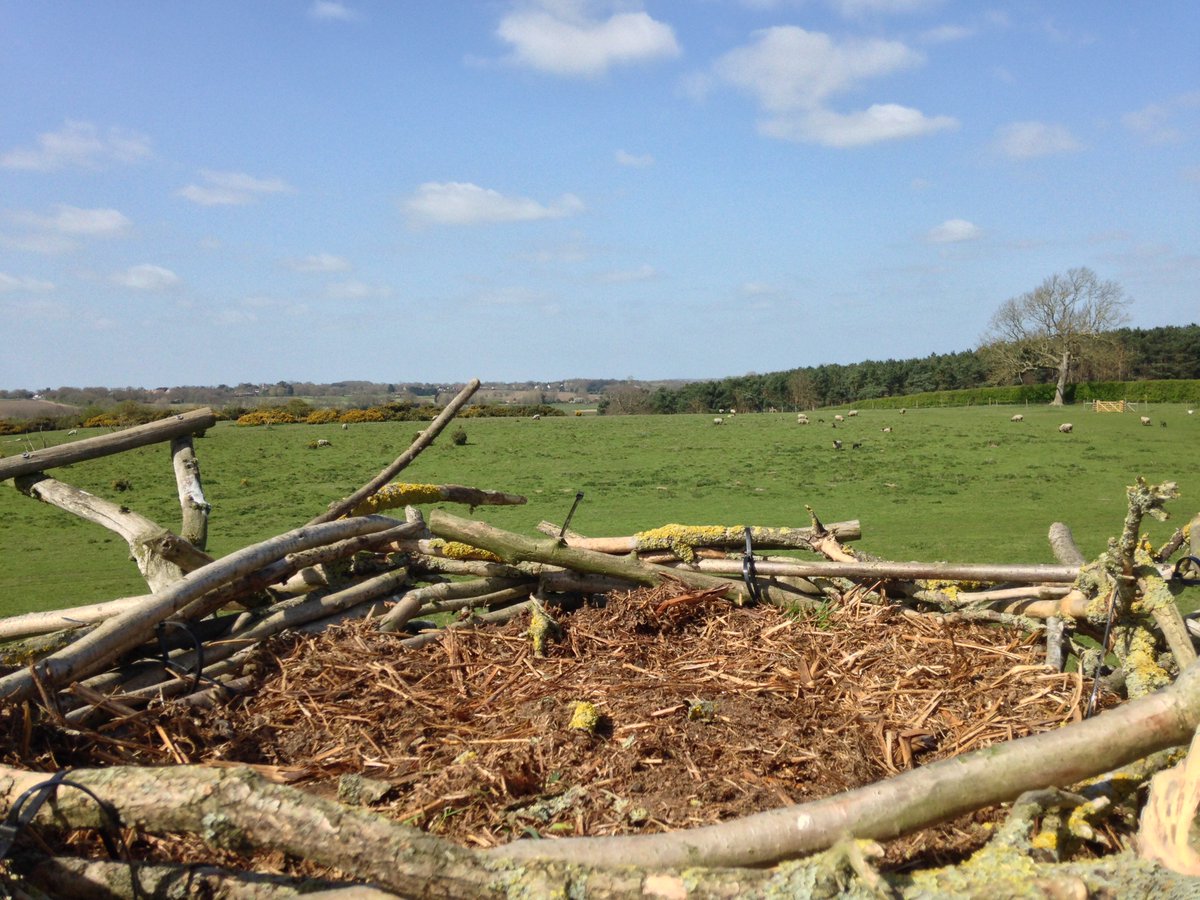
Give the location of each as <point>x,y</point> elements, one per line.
<point>173,666</point>
<point>1177,573</point>
<point>562,533</point>
<point>749,575</point>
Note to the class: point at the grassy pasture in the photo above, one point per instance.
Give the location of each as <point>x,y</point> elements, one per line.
<point>963,485</point>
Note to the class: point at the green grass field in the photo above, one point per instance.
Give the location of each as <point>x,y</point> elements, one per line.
<point>963,485</point>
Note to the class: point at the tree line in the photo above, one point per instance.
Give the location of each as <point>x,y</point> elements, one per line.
<point>1132,354</point>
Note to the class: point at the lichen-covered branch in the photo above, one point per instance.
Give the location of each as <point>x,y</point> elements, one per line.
<point>394,496</point>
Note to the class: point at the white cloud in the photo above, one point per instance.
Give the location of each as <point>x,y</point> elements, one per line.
<point>954,230</point>
<point>23,284</point>
<point>463,203</point>
<point>1029,140</point>
<point>794,74</point>
<point>561,37</point>
<point>634,160</point>
<point>879,122</point>
<point>146,277</point>
<point>49,231</point>
<point>644,272</point>
<point>1154,121</point>
<point>232,188</point>
<point>320,262</point>
<point>91,222</point>
<point>758,289</point>
<point>331,11</point>
<point>78,145</point>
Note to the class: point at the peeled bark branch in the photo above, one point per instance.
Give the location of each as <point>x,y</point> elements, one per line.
<point>107,444</point>
<point>194,507</point>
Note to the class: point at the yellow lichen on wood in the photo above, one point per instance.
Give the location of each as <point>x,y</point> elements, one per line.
<point>1143,674</point>
<point>542,629</point>
<point>458,550</point>
<point>396,495</point>
<point>683,539</point>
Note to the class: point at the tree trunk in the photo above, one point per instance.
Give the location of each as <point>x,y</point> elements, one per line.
<point>194,507</point>
<point>1060,387</point>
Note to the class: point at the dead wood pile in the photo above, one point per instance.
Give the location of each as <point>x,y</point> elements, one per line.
<point>638,706</point>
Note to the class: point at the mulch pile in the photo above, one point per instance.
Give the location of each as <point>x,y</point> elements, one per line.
<point>704,712</point>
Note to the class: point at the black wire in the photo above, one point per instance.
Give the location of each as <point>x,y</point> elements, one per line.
<point>749,575</point>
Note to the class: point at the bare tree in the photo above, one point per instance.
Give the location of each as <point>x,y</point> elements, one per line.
<point>1059,323</point>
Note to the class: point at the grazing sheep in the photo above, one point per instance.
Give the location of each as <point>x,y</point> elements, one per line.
<point>903,411</point>
<point>1065,427</point>
<point>856,445</point>
<point>324,443</point>
<point>1191,412</point>
<point>839,418</point>
<point>1145,420</point>
<point>853,412</point>
<point>837,445</point>
<point>1017,418</point>
<point>345,427</point>
<point>718,421</point>
<point>887,429</point>
<point>802,419</point>
<point>71,432</point>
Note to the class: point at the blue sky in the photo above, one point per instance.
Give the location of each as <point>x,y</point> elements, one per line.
<point>393,190</point>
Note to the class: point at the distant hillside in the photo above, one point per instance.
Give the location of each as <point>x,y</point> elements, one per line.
<point>34,409</point>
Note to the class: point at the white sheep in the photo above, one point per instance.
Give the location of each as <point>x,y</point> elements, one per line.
<point>853,412</point>
<point>1065,427</point>
<point>536,416</point>
<point>837,445</point>
<point>345,427</point>
<point>887,429</point>
<point>71,432</point>
<point>903,411</point>
<point>718,421</point>
<point>839,418</point>
<point>1191,412</point>
<point>802,419</point>
<point>1017,418</point>
<point>1145,420</point>
<point>324,443</point>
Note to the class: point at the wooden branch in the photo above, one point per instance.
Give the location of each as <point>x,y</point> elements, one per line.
<point>107,444</point>
<point>51,620</point>
<point>509,546</point>
<point>1062,543</point>
<point>452,590</point>
<point>138,532</point>
<point>127,630</point>
<point>684,539</point>
<point>194,507</point>
<point>400,494</point>
<point>901,571</point>
<point>432,430</point>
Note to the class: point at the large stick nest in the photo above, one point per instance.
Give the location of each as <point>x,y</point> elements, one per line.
<point>706,712</point>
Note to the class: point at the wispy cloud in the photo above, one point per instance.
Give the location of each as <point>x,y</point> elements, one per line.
<point>331,11</point>
<point>953,231</point>
<point>57,231</point>
<point>644,272</point>
<point>78,145</point>
<point>463,203</point>
<point>794,74</point>
<point>318,263</point>
<point>634,160</point>
<point>23,284</point>
<point>146,277</point>
<point>856,9</point>
<point>1030,140</point>
<point>1155,121</point>
<point>232,188</point>
<point>356,290</point>
<point>560,37</point>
